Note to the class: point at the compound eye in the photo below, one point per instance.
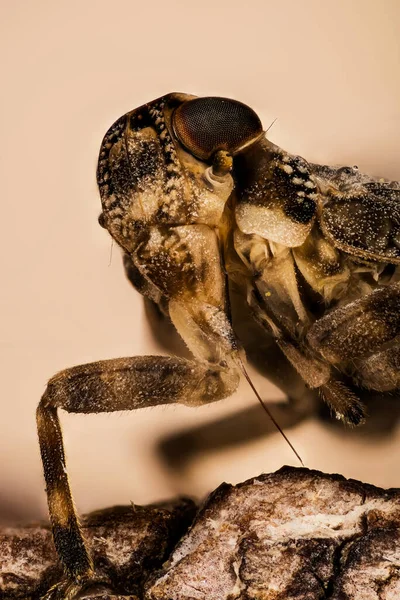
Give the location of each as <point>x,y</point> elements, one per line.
<point>206,125</point>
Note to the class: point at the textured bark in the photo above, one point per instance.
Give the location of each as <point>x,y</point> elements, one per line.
<point>127,544</point>
<point>295,534</point>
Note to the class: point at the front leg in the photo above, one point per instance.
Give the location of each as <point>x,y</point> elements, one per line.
<point>107,386</point>
<point>181,264</point>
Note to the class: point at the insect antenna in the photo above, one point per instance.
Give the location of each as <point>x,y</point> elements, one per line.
<point>111,252</point>
<point>272,124</point>
<point>247,376</point>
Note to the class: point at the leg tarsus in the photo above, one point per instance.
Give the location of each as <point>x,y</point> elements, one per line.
<point>344,402</point>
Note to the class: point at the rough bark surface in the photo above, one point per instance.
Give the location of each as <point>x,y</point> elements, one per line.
<point>127,544</point>
<point>292,535</point>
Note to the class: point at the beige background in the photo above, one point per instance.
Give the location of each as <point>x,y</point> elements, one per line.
<point>329,71</point>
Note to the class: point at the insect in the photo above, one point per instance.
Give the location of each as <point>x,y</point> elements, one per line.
<point>201,202</point>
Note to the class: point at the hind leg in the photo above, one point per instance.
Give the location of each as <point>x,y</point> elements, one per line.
<point>381,370</point>
<point>314,370</point>
<point>359,328</point>
<point>359,338</point>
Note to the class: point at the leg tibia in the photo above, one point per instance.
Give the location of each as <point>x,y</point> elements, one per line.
<point>67,536</point>
<point>318,375</point>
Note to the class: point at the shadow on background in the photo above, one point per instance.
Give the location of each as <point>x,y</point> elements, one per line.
<point>20,509</point>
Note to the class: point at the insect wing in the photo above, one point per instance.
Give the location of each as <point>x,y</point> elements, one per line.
<point>365,222</point>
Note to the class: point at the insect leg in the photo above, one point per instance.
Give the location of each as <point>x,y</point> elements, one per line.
<point>315,372</point>
<point>381,370</point>
<point>350,334</point>
<point>107,386</point>
<point>358,328</point>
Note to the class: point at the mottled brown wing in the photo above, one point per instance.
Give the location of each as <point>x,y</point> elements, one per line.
<point>364,221</point>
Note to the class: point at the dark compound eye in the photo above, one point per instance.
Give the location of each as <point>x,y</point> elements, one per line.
<point>205,125</point>
<point>102,220</point>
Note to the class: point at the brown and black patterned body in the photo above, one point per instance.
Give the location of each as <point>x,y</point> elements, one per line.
<point>201,202</point>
